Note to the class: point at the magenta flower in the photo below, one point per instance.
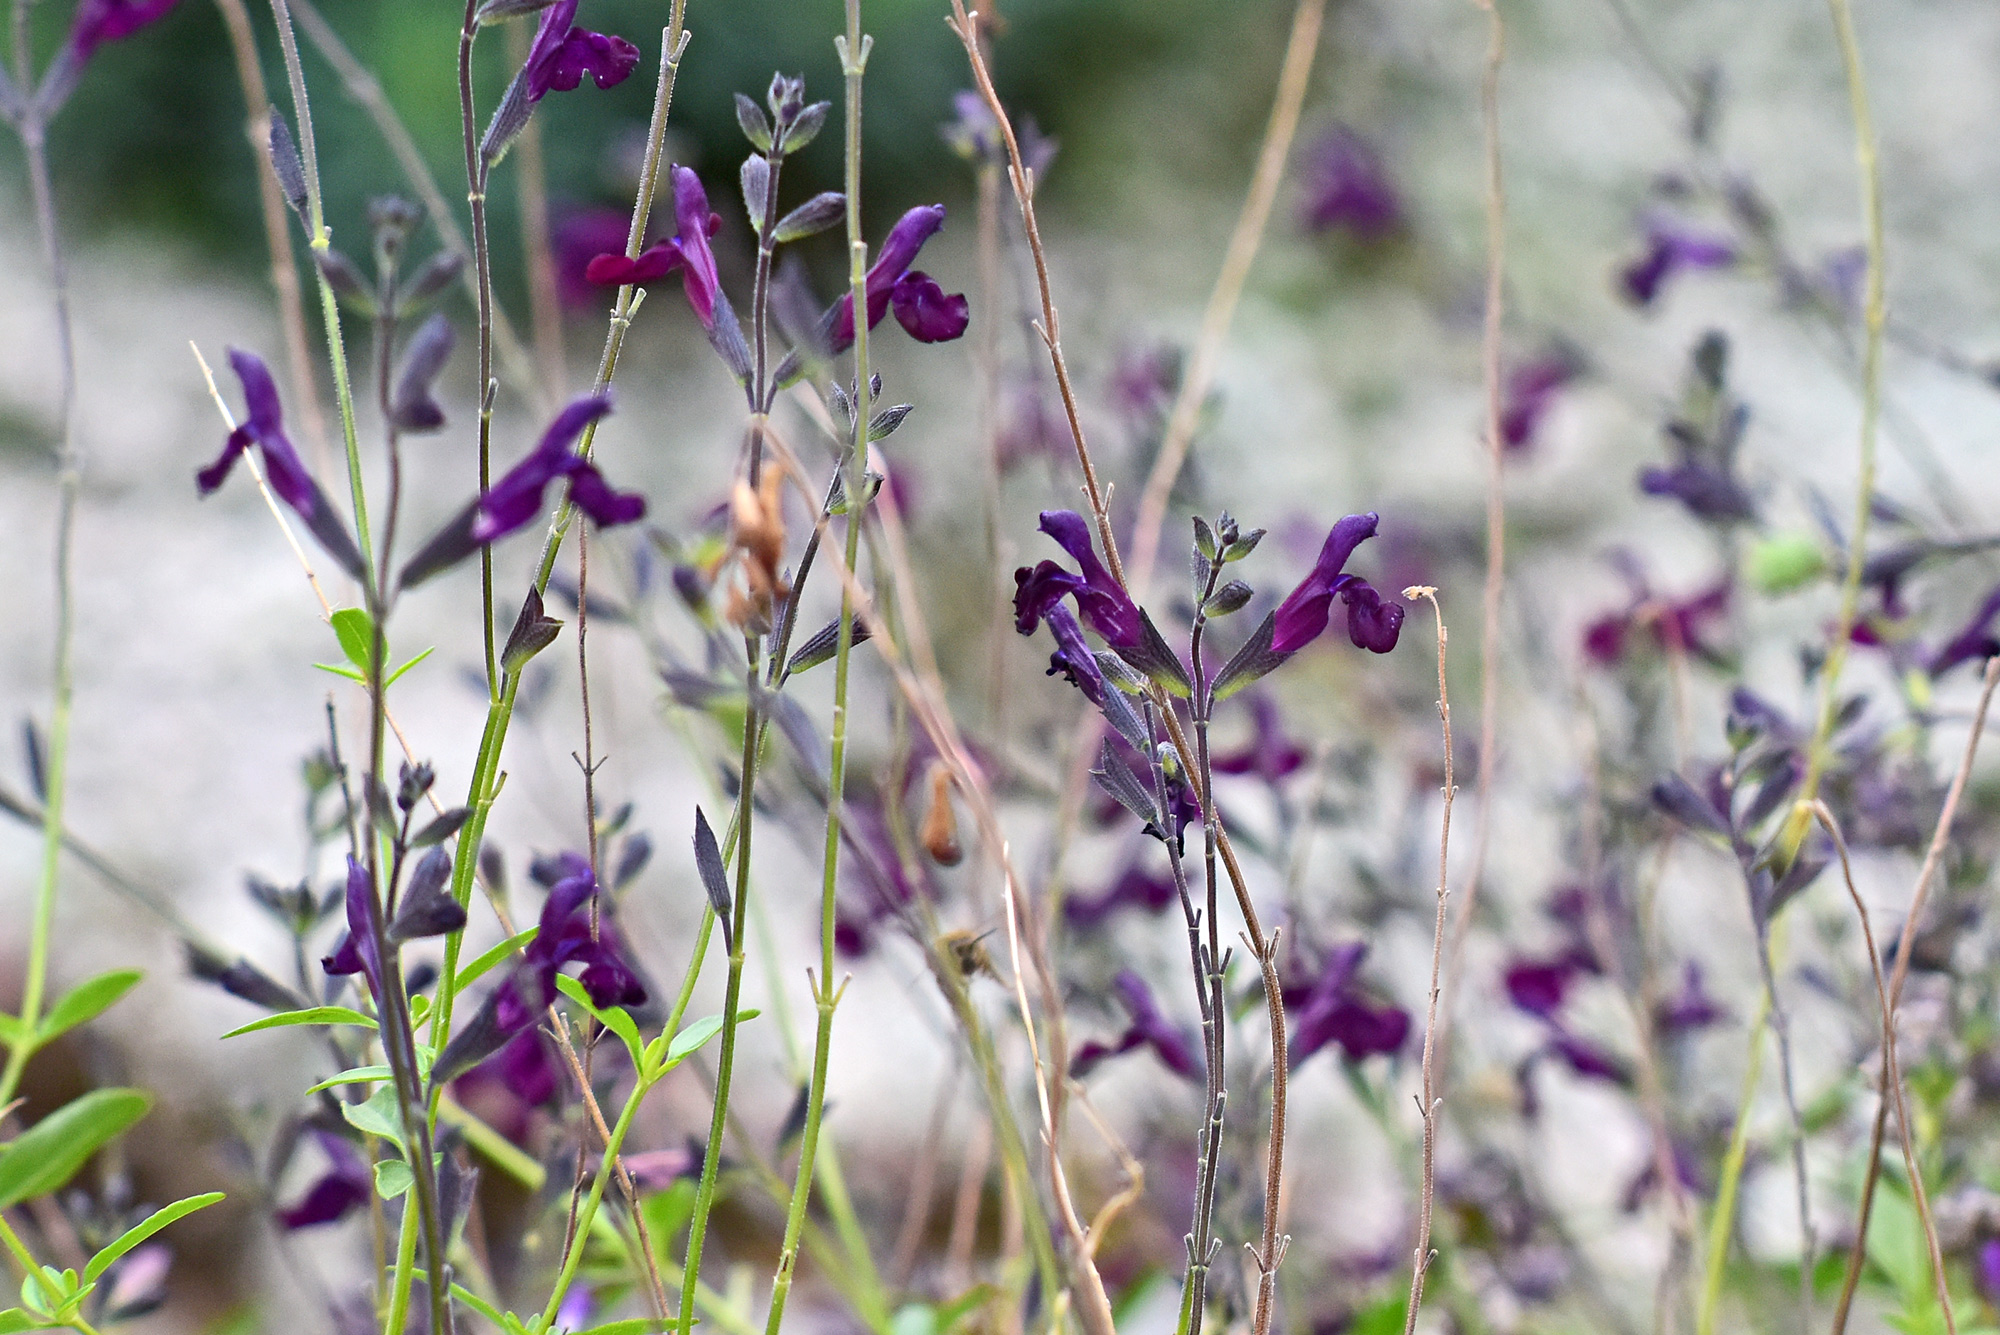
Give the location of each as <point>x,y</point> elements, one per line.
<point>1270,755</point>
<point>687,250</point>
<point>563,53</point>
<point>101,21</point>
<point>1371,623</point>
<point>1099,598</point>
<point>1347,187</point>
<point>922,307</point>
<point>287,476</point>
<point>1679,625</point>
<point>1670,248</point>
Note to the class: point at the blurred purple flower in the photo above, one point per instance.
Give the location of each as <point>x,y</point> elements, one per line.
<point>1144,382</point>
<point>1100,599</point>
<point>1686,1170</point>
<point>1134,889</point>
<point>1989,1270</point>
<point>358,951</point>
<point>1176,1049</point>
<point>1030,426</point>
<point>1539,987</point>
<point>1670,248</point>
<point>1691,1007</point>
<point>100,21</point>
<point>922,307</point>
<point>687,250</point>
<point>1335,1010</point>
<point>347,1183</point>
<point>264,427</point>
<point>562,54</point>
<point>1270,754</point>
<point>1678,626</point>
<point>1347,187</point>
<point>580,234</point>
<point>1371,623</point>
<point>1528,395</point>
<point>1708,492</point>
<point>1975,641</point>
<point>515,500</point>
<point>974,134</point>
<point>1586,1058</point>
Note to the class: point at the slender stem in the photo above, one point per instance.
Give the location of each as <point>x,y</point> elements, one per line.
<point>1722,1223</point>
<point>854,63</point>
<point>589,1213</point>
<point>321,242</point>
<point>1421,1261</point>
<point>68,485</point>
<point>482,258</point>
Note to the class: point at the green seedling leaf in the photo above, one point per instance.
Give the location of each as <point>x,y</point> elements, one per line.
<point>613,1018</point>
<point>86,1001</point>
<point>355,1075</point>
<point>392,1178</point>
<point>48,1153</point>
<point>146,1228</point>
<point>379,1116</point>
<point>472,972</point>
<point>311,1015</point>
<point>632,1325</point>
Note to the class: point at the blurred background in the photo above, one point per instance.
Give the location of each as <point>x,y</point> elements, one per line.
<point>1350,381</point>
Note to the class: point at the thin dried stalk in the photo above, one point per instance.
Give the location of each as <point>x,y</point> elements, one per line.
<point>1420,1263</point>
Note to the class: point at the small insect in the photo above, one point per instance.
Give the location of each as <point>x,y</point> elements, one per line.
<point>967,950</point>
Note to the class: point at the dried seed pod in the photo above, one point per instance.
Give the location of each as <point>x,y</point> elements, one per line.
<point>940,829</point>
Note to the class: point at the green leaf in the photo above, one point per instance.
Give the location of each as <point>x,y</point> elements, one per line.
<point>48,1153</point>
<point>633,1325</point>
<point>86,1001</point>
<point>379,1116</point>
<point>397,675</point>
<point>613,1018</point>
<point>356,633</point>
<point>355,1075</point>
<point>311,1015</point>
<point>11,1030</point>
<point>1896,1245</point>
<point>392,1178</point>
<point>472,972</point>
<point>14,1319</point>
<point>477,1303</point>
<point>146,1228</point>
<point>342,670</point>
<point>693,1036</point>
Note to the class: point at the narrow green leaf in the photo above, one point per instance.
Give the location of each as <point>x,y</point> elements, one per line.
<point>396,676</point>
<point>48,1153</point>
<point>693,1036</point>
<point>146,1228</point>
<point>613,1018</point>
<point>311,1015</point>
<point>342,670</point>
<point>472,972</point>
<point>476,1303</point>
<point>354,1075</point>
<point>86,1001</point>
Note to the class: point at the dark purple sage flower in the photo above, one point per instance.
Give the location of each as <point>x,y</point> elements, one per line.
<point>1099,598</point>
<point>563,53</point>
<point>1134,889</point>
<point>1371,623</point>
<point>347,1183</point>
<point>358,951</point>
<point>1670,248</point>
<point>1686,1171</point>
<point>1529,393</point>
<point>1347,187</point>
<point>1539,987</point>
<point>1975,642</point>
<point>1672,625</point>
<point>101,21</point>
<point>516,499</point>
<point>1587,1059</point>
<point>687,250</point>
<point>1707,491</point>
<point>922,307</point>
<point>287,476</point>
<point>1270,754</point>
<point>1336,1010</point>
<point>974,135</point>
<point>1691,1007</point>
<point>580,234</point>
<point>1176,1049</point>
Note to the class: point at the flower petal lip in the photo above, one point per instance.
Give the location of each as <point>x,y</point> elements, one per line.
<point>923,308</point>
<point>1303,614</point>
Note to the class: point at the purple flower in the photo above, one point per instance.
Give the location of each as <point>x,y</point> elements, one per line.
<point>1975,641</point>
<point>1587,1059</point>
<point>921,306</point>
<point>358,951</point>
<point>287,476</point>
<point>1133,889</point>
<point>1674,625</point>
<point>1989,1270</point>
<point>1336,1010</point>
<point>503,1034</point>
<point>1149,1029</point>
<point>101,21</point>
<point>1530,392</point>
<point>1371,623</point>
<point>1270,754</point>
<point>1099,598</point>
<point>1686,1171</point>
<point>1539,987</point>
<point>347,1183</point>
<point>562,54</point>
<point>1708,492</point>
<point>1691,1007</point>
<point>687,250</point>
<point>1347,187</point>
<point>580,235</point>
<point>516,499</point>
<point>1671,248</point>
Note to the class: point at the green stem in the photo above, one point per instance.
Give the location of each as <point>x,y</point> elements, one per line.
<point>589,1213</point>
<point>404,1273</point>
<point>1723,1225</point>
<point>854,64</point>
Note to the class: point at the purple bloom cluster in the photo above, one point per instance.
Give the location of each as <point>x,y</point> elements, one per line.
<point>1176,1048</point>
